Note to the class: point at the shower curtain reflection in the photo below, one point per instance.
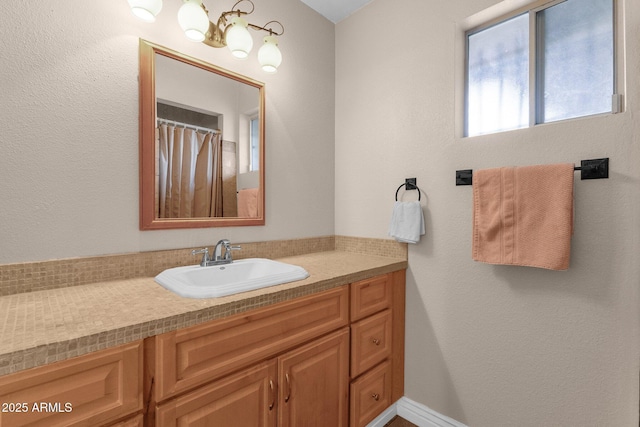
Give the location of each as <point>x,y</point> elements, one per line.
<point>189,179</point>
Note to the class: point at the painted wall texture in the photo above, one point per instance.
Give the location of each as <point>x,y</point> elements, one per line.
<point>69,108</point>
<point>491,345</point>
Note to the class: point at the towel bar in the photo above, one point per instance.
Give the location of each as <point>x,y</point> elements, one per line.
<point>589,169</point>
<point>410,184</point>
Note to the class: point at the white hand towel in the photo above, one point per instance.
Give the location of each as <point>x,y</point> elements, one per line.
<point>407,222</point>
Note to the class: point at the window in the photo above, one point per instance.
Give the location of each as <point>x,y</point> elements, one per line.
<point>254,144</point>
<point>540,66</point>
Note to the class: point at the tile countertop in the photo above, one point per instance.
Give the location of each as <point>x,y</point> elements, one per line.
<point>41,327</point>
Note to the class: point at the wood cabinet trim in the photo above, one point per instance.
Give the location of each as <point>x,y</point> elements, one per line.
<point>398,280</point>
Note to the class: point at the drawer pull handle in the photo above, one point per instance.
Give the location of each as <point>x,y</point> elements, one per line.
<point>376,341</point>
<point>375,396</point>
<point>273,396</point>
<point>288,396</point>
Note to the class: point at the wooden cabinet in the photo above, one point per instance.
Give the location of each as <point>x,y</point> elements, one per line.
<point>192,369</point>
<point>307,386</point>
<point>246,399</point>
<point>371,394</point>
<point>371,342</point>
<point>377,346</point>
<point>371,296</point>
<point>136,421</point>
<point>91,390</point>
<point>314,383</point>
<point>193,356</point>
<point>290,364</point>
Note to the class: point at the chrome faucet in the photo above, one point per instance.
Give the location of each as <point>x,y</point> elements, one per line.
<point>205,256</point>
<point>217,258</point>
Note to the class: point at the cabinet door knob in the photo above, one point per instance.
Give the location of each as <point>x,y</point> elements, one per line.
<point>288,396</point>
<point>375,396</point>
<point>273,395</point>
<point>376,341</point>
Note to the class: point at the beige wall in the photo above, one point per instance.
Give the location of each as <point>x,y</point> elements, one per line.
<point>69,114</point>
<point>491,345</point>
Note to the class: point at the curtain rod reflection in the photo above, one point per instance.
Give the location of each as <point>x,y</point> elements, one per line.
<point>186,125</point>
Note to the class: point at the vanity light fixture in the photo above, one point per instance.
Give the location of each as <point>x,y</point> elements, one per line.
<point>231,29</point>
<point>146,9</point>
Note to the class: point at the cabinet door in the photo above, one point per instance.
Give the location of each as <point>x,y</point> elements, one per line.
<point>246,399</point>
<point>314,381</point>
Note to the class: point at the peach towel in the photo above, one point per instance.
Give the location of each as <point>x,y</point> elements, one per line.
<point>523,215</point>
<point>248,203</point>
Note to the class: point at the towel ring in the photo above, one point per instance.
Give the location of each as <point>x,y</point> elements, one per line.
<point>410,186</point>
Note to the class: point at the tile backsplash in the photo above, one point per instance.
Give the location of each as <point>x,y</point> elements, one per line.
<point>43,275</point>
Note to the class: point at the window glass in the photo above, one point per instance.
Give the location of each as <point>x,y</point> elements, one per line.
<point>574,71</point>
<point>498,77</point>
<point>575,59</point>
<point>255,144</point>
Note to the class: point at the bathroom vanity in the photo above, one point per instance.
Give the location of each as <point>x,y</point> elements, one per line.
<point>331,354</point>
<point>319,357</point>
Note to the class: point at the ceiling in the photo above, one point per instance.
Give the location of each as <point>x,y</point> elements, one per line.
<point>335,10</point>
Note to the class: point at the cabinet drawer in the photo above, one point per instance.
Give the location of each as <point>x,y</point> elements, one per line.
<point>370,395</point>
<point>87,391</point>
<point>370,296</point>
<point>196,355</point>
<point>371,342</point>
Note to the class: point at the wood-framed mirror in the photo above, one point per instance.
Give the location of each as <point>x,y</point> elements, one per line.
<point>201,143</point>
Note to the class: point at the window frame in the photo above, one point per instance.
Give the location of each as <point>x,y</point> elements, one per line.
<point>532,9</point>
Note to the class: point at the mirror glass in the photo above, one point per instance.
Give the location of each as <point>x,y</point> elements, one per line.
<point>201,143</point>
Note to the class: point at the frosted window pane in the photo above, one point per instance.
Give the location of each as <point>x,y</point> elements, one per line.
<point>498,77</point>
<point>575,74</point>
<point>255,145</point>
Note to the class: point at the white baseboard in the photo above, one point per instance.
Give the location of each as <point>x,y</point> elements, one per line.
<point>416,413</point>
<point>423,416</point>
<point>386,416</point>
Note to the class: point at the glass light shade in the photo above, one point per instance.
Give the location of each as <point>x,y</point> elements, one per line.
<point>269,55</point>
<point>193,20</point>
<point>147,10</point>
<point>238,39</point>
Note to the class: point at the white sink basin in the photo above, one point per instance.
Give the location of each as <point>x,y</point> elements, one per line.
<point>242,275</point>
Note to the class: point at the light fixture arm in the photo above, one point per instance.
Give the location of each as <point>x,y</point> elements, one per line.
<point>265,27</point>
<point>222,21</point>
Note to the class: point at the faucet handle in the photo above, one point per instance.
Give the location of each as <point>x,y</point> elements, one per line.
<point>205,256</point>
<point>228,248</point>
